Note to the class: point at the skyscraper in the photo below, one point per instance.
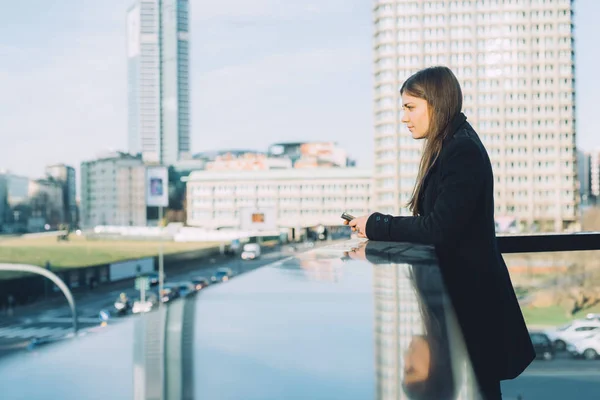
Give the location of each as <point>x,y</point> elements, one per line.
<point>158,80</point>
<point>515,62</point>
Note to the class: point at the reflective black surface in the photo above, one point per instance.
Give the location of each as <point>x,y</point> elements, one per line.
<point>373,323</point>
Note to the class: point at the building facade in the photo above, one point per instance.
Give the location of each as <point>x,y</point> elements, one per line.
<point>299,198</point>
<point>594,171</point>
<point>47,204</point>
<point>113,191</point>
<point>515,62</point>
<point>65,175</point>
<point>311,154</point>
<point>158,80</point>
<point>4,205</point>
<point>18,188</point>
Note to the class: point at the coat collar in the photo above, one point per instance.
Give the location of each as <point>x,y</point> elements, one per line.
<point>457,122</point>
<point>455,125</point>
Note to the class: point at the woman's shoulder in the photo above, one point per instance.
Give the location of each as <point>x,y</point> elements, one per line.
<point>464,144</point>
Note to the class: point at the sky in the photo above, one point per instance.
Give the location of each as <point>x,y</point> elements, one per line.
<point>262,71</point>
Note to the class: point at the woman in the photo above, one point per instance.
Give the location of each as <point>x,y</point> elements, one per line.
<point>453,209</point>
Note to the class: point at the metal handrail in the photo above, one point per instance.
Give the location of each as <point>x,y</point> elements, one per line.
<point>542,243</point>
<point>50,275</point>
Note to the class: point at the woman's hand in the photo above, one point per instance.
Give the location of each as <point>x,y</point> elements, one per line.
<point>359,225</point>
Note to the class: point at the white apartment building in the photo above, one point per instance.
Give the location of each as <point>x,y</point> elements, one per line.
<point>515,62</point>
<point>300,198</point>
<point>113,191</point>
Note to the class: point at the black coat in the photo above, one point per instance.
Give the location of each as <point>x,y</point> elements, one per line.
<point>456,215</point>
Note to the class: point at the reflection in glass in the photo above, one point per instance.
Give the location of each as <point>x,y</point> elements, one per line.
<point>418,347</point>
<point>163,352</point>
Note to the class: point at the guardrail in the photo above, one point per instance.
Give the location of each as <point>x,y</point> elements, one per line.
<point>579,241</point>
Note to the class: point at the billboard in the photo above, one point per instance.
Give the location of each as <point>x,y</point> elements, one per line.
<point>157,187</point>
<point>261,219</point>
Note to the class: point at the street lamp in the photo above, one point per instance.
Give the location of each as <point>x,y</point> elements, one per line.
<point>50,275</point>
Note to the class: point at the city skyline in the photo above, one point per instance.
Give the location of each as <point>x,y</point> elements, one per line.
<point>259,76</point>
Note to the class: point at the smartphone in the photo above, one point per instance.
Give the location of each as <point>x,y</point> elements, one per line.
<point>347,216</point>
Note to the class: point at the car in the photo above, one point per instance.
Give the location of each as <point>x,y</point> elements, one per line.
<point>154,278</point>
<point>186,288</point>
<point>251,251</point>
<point>587,347</point>
<point>200,282</point>
<point>571,332</point>
<point>170,292</point>
<point>543,346</point>
<point>222,275</point>
<point>593,316</point>
<point>249,255</point>
<point>150,302</point>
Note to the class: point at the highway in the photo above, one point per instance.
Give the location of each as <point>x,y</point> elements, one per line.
<point>53,319</point>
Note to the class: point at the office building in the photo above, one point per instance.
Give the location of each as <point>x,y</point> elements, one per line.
<point>17,188</point>
<point>247,162</point>
<point>47,204</point>
<point>4,206</point>
<point>297,198</point>
<point>311,154</point>
<point>158,80</point>
<point>65,176</point>
<point>113,191</point>
<point>594,167</point>
<point>515,62</point>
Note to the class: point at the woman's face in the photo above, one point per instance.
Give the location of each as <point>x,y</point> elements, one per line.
<point>415,115</point>
<point>417,360</point>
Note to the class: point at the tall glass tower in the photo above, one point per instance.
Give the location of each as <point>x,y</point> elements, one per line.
<point>158,80</point>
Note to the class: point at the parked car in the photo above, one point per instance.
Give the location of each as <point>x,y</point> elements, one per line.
<point>587,347</point>
<point>593,316</point>
<point>571,332</point>
<point>200,282</point>
<point>222,275</point>
<point>543,346</point>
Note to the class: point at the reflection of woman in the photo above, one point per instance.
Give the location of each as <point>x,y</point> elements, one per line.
<point>427,364</point>
<point>453,209</point>
<point>427,372</point>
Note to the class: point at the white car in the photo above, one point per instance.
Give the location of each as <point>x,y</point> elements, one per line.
<point>588,347</point>
<point>593,316</point>
<point>571,332</point>
<point>248,255</point>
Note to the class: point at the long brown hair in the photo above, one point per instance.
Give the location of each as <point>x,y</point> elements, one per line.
<point>440,88</point>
